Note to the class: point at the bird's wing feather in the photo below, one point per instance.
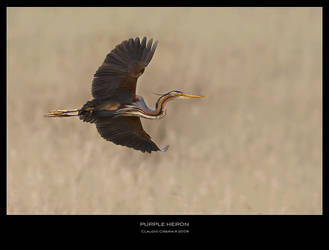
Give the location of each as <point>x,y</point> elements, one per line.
<point>117,76</point>
<point>126,131</point>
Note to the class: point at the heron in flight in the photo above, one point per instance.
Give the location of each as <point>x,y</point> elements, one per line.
<point>116,109</point>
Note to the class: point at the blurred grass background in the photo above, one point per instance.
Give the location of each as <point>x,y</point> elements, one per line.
<point>252,146</point>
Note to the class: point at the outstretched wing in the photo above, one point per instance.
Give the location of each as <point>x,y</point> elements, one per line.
<point>127,131</point>
<point>117,76</point>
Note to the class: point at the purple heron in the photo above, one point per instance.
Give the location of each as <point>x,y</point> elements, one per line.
<point>116,109</point>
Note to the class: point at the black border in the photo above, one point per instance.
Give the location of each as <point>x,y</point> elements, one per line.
<point>216,226</point>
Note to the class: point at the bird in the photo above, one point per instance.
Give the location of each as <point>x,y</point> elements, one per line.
<point>116,109</point>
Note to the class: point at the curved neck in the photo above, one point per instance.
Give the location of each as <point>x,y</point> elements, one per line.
<point>158,112</point>
<point>140,109</point>
<point>160,105</point>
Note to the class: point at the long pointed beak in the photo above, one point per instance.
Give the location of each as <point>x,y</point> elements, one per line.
<point>192,96</point>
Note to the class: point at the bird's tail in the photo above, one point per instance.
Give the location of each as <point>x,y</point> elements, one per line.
<point>63,113</point>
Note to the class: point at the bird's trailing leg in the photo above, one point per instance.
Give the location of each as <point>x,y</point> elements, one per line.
<point>62,113</point>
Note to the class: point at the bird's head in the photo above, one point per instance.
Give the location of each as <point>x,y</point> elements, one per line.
<point>181,95</point>
<point>172,95</point>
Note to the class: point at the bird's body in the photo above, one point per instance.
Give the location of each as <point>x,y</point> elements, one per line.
<point>116,109</point>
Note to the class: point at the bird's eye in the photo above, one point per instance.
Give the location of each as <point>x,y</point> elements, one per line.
<point>142,71</point>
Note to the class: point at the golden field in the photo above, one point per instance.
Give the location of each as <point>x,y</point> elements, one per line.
<point>253,145</point>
